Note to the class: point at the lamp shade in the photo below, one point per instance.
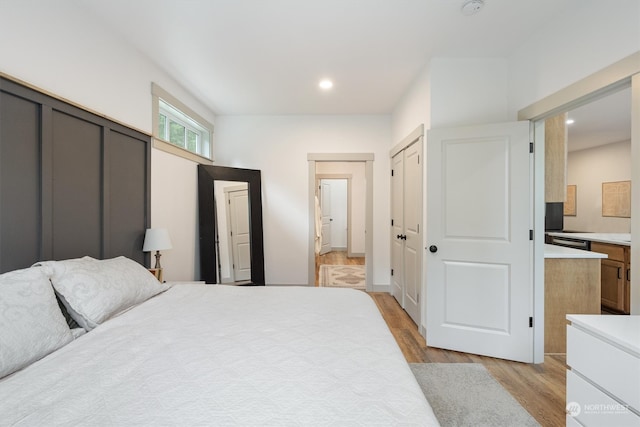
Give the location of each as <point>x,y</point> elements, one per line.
<point>156,239</point>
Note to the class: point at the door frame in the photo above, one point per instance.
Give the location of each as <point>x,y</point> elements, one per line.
<point>227,202</point>
<point>367,159</point>
<point>619,75</point>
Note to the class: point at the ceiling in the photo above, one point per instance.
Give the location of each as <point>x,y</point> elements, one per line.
<point>600,122</point>
<point>267,56</point>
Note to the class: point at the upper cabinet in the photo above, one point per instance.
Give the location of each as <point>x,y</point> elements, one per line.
<point>555,158</point>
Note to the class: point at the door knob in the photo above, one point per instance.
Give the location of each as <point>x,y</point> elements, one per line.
<point>433,249</point>
<point>399,236</point>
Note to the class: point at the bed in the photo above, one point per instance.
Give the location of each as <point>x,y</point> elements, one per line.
<point>194,354</point>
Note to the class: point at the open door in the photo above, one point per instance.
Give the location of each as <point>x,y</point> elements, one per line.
<point>479,259</point>
<point>240,234</point>
<point>325,207</point>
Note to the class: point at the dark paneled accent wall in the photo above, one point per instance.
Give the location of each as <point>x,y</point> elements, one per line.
<point>71,183</point>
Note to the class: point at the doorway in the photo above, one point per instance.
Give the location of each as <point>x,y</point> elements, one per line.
<point>358,169</point>
<point>342,233</point>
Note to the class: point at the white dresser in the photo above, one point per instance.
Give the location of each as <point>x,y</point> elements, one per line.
<point>603,376</point>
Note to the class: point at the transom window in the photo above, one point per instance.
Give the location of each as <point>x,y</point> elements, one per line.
<point>179,126</point>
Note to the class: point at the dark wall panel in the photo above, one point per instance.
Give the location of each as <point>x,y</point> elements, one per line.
<point>72,183</point>
<point>126,195</point>
<point>77,187</point>
<point>19,182</point>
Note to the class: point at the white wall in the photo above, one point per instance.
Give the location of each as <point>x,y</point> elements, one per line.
<point>278,146</point>
<point>571,47</point>
<point>468,91</point>
<point>588,169</point>
<point>57,47</point>
<point>413,109</point>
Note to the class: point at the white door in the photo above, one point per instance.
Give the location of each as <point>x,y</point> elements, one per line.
<point>412,238</point>
<point>479,262</point>
<point>325,207</point>
<point>397,227</point>
<point>240,234</point>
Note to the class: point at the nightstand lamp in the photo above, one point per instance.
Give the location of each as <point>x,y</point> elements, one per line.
<point>156,239</point>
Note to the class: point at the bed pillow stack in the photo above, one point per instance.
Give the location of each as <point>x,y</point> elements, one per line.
<point>95,290</point>
<point>31,323</point>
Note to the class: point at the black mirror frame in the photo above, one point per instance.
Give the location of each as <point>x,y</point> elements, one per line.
<point>208,256</point>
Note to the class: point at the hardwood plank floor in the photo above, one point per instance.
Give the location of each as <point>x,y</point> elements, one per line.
<point>540,389</point>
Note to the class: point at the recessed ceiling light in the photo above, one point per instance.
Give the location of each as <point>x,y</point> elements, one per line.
<point>570,121</point>
<point>325,84</point>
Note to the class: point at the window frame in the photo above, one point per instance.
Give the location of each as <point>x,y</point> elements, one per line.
<point>202,126</point>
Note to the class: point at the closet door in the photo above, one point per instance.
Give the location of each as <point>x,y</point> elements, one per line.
<point>406,237</point>
<point>412,210</point>
<point>397,227</point>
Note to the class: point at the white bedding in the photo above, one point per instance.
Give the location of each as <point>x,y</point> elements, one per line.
<point>224,355</point>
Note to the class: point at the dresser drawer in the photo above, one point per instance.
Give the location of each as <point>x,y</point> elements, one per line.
<point>613,369</point>
<point>615,252</point>
<point>589,406</point>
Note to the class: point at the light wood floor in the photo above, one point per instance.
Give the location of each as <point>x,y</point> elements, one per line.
<point>540,389</point>
<point>335,258</point>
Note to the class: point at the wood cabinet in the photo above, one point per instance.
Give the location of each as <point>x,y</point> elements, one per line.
<point>571,286</point>
<point>555,158</point>
<point>615,275</point>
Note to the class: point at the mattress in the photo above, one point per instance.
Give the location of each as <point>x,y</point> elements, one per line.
<point>225,355</point>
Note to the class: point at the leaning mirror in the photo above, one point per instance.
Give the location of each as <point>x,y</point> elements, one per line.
<point>231,245</point>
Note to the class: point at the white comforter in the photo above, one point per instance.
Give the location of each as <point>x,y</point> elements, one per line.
<point>222,355</point>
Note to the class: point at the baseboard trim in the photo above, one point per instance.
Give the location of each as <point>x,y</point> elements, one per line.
<point>381,288</point>
<point>355,255</point>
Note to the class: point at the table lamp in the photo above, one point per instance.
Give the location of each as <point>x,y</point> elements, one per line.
<point>156,239</point>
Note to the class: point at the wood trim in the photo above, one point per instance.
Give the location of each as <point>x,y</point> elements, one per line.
<point>340,157</point>
<point>594,86</point>
<point>69,102</point>
<point>181,152</point>
<point>416,134</point>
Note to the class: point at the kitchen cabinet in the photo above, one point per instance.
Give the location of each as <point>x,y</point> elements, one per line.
<point>571,286</point>
<point>615,276</point>
<point>555,158</point>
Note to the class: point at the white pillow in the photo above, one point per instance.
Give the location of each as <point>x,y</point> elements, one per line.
<point>96,290</point>
<point>31,323</point>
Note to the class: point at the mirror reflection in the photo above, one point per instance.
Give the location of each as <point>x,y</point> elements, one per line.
<point>233,232</point>
<point>230,225</point>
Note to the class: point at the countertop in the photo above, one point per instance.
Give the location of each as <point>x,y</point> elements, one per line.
<point>554,251</point>
<point>614,238</point>
<point>620,329</point>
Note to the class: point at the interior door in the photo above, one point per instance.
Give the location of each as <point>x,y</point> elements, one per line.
<point>325,207</point>
<point>412,255</point>
<point>240,234</point>
<point>397,227</point>
<point>479,264</point>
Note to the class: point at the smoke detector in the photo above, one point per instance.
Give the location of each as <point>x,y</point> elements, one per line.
<point>472,7</point>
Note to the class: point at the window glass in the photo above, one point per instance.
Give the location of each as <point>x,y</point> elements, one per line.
<point>181,127</point>
<point>176,134</point>
<point>162,127</point>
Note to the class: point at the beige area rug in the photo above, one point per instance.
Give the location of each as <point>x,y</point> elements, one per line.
<point>342,276</point>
